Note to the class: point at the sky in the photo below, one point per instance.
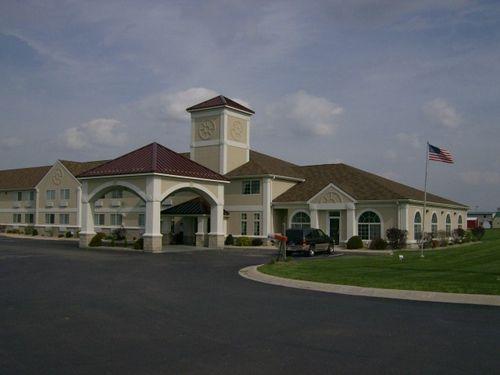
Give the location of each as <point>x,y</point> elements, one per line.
<point>366,83</point>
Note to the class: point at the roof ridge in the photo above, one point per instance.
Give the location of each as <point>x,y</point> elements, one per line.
<point>154,158</point>
<point>223,98</point>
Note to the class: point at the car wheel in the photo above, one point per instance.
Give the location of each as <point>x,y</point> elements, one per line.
<point>330,249</point>
<point>311,252</point>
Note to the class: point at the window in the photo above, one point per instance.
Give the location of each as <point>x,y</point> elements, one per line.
<point>369,226</point>
<point>32,195</point>
<point>244,224</point>
<point>50,218</point>
<point>29,218</point>
<point>64,194</point>
<point>51,195</point>
<point>434,224</point>
<point>448,225</point>
<point>98,219</point>
<point>250,187</point>
<point>64,219</point>
<point>117,194</point>
<point>460,223</point>
<point>116,219</point>
<point>417,226</point>
<point>16,218</point>
<point>19,196</point>
<point>301,220</point>
<point>141,220</point>
<point>256,224</point>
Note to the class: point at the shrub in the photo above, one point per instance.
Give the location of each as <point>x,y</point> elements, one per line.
<point>467,237</point>
<point>35,232</point>
<point>378,244</point>
<point>119,234</point>
<point>125,242</point>
<point>257,242</point>
<point>229,240</point>
<point>243,241</point>
<point>354,242</point>
<point>478,233</point>
<point>397,237</point>
<point>29,230</point>
<point>68,234</point>
<point>458,235</point>
<point>139,244</point>
<point>60,235</point>
<point>425,240</point>
<point>435,243</point>
<point>97,239</point>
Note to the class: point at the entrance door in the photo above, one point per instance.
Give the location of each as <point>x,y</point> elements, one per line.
<point>335,226</point>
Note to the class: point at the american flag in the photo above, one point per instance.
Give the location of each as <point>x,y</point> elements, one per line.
<point>440,154</point>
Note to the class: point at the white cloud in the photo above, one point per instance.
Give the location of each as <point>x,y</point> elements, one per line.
<point>442,112</point>
<point>10,142</point>
<point>98,132</point>
<point>479,178</point>
<point>411,139</point>
<point>305,114</point>
<point>171,106</point>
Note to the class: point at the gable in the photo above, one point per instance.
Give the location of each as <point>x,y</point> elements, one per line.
<point>331,194</point>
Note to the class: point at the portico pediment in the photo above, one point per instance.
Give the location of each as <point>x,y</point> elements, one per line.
<point>331,194</point>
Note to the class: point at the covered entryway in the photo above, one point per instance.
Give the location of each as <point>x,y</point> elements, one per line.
<point>154,173</point>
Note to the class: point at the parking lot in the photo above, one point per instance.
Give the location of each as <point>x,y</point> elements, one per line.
<point>66,310</point>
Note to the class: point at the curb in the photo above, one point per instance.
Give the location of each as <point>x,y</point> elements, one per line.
<point>252,273</point>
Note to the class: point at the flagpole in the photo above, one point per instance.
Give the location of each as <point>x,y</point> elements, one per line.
<point>425,201</point>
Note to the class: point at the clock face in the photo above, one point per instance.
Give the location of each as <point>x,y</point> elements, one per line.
<point>237,131</point>
<point>206,129</point>
<point>57,176</point>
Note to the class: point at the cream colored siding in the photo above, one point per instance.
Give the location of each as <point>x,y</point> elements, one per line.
<point>236,156</point>
<point>234,222</point>
<point>280,186</point>
<point>209,156</point>
<point>234,196</point>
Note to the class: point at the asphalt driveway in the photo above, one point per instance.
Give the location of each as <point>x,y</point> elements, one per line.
<point>71,311</point>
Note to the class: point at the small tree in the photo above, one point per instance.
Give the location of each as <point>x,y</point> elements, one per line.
<point>397,237</point>
<point>478,233</point>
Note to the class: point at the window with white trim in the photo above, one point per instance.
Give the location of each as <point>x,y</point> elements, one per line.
<point>19,196</point>
<point>256,224</point>
<point>417,226</point>
<point>301,220</point>
<point>250,187</point>
<point>117,194</point>
<point>29,218</point>
<point>50,195</point>
<point>244,224</point>
<point>16,218</point>
<point>460,222</point>
<point>64,219</point>
<point>369,226</point>
<point>434,224</point>
<point>448,225</point>
<point>141,220</point>
<point>99,219</point>
<point>64,194</point>
<point>116,219</point>
<point>50,218</point>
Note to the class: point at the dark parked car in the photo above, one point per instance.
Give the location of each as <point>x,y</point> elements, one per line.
<point>309,241</point>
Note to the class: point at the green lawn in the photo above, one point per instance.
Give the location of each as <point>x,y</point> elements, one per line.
<point>473,268</point>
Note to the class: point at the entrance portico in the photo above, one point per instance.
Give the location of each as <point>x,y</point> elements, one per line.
<point>154,173</point>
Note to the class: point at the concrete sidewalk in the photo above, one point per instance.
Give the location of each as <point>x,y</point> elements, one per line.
<point>252,273</point>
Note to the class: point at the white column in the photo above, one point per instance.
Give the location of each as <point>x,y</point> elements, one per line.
<point>202,225</point>
<point>87,219</point>
<point>314,218</point>
<point>79,207</point>
<point>217,220</point>
<point>37,202</point>
<point>267,215</point>
<point>352,223</point>
<point>403,216</point>
<point>152,235</point>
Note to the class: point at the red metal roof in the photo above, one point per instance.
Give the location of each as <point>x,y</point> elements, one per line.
<point>153,158</point>
<point>219,101</point>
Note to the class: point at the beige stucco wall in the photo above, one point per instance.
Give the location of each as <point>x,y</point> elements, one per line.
<point>209,156</point>
<point>441,213</point>
<point>236,156</point>
<point>237,129</point>
<point>233,196</point>
<point>206,128</point>
<point>234,222</point>
<point>278,187</point>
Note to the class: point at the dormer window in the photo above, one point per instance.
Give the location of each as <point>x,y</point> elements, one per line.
<point>250,187</point>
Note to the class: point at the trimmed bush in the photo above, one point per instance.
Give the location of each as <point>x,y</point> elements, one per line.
<point>478,233</point>
<point>378,244</point>
<point>139,244</point>
<point>119,234</point>
<point>243,241</point>
<point>97,239</point>
<point>229,241</point>
<point>257,242</point>
<point>396,238</point>
<point>35,232</point>
<point>355,242</point>
<point>29,230</point>
<point>467,237</point>
<point>458,235</point>
<point>69,234</point>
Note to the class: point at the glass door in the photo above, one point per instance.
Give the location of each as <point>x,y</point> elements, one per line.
<point>335,226</point>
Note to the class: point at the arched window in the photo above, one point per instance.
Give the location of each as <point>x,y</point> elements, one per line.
<point>448,225</point>
<point>434,224</point>
<point>460,223</point>
<point>301,220</point>
<point>369,226</point>
<point>417,226</point>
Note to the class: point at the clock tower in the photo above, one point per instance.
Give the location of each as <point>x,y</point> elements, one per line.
<point>220,134</point>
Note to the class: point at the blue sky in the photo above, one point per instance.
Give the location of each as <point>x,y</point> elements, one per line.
<point>366,83</point>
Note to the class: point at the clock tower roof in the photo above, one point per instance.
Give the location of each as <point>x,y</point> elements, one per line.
<point>218,102</point>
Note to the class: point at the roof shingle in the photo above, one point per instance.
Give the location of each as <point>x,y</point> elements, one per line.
<point>22,178</point>
<point>219,101</point>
